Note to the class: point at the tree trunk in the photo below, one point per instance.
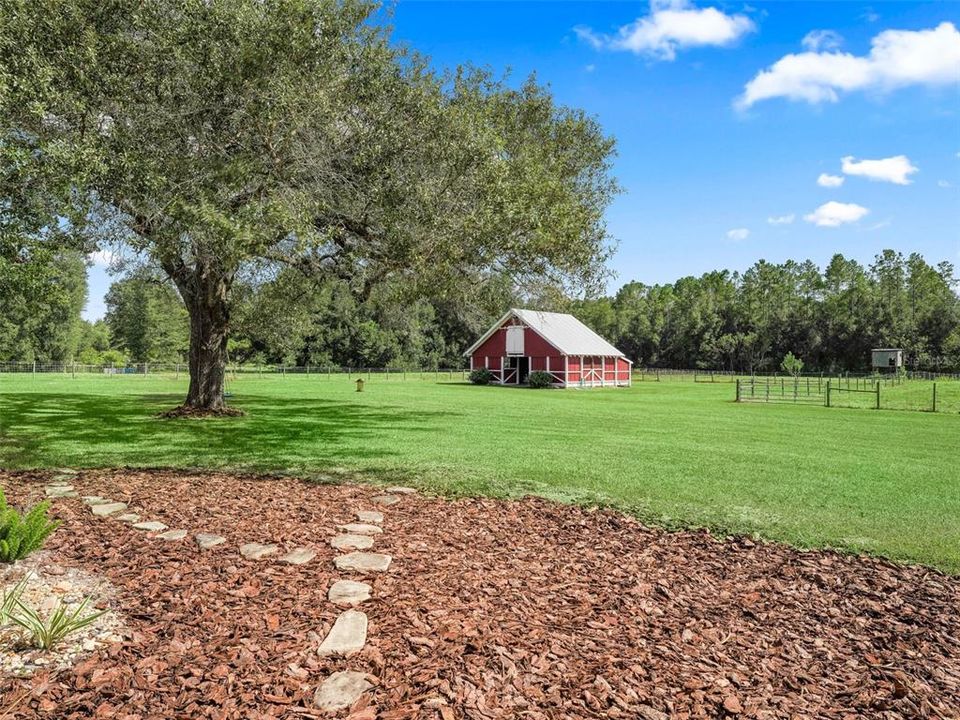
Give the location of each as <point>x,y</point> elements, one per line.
<point>206,298</point>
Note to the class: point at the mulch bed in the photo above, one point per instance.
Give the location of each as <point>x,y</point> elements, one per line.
<point>491,609</point>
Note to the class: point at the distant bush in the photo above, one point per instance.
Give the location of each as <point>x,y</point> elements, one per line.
<point>22,533</point>
<point>539,379</point>
<point>481,376</point>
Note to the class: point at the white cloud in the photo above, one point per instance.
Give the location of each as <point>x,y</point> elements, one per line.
<point>834,213</point>
<point>897,58</point>
<point>738,234</point>
<point>781,219</point>
<point>817,40</point>
<point>826,180</point>
<point>672,25</point>
<point>892,169</point>
<point>944,184</point>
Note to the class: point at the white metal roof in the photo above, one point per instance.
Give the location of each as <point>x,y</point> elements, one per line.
<point>564,332</point>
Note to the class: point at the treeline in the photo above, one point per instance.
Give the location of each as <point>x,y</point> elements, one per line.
<point>829,318</point>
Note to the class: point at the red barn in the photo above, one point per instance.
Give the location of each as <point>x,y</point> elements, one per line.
<point>523,341</point>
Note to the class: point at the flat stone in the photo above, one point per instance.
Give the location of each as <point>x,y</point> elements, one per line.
<point>369,516</point>
<point>299,556</point>
<point>385,499</point>
<point>64,491</point>
<point>362,529</point>
<point>348,592</point>
<point>209,540</point>
<point>347,636</point>
<point>352,542</point>
<point>255,551</point>
<point>401,490</point>
<point>151,526</point>
<point>105,509</point>
<point>173,535</point>
<point>341,690</point>
<point>128,518</point>
<point>66,471</point>
<point>363,562</point>
<point>95,500</point>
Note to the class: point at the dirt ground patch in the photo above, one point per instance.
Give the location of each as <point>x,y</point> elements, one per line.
<point>491,609</point>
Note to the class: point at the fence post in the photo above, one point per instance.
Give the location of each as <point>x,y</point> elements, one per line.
<point>828,392</point>
<point>878,394</point>
<point>934,397</point>
<point>738,389</point>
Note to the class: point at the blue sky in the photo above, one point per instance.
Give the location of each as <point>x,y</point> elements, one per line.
<point>727,114</point>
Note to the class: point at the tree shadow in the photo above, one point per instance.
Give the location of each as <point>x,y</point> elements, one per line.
<point>46,429</point>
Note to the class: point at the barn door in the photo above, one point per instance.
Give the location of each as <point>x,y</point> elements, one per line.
<point>515,340</point>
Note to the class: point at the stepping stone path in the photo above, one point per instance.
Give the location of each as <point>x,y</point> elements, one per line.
<point>347,636</point>
<point>173,535</point>
<point>363,562</point>
<point>341,690</point>
<point>256,551</point>
<point>352,542</point>
<point>361,529</point>
<point>348,592</point>
<point>152,526</point>
<point>105,509</point>
<point>349,632</point>
<point>299,556</point>
<point>208,540</point>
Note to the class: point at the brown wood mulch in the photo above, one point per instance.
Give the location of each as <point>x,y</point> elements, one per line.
<point>491,609</point>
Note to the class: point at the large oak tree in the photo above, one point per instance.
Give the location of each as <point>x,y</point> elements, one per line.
<point>216,136</point>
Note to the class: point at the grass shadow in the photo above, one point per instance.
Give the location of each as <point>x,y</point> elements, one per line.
<point>44,429</point>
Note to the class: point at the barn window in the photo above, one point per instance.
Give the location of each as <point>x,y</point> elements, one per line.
<point>515,340</point>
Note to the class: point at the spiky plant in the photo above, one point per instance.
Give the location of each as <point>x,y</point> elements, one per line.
<point>46,632</point>
<point>22,533</point>
<point>9,599</point>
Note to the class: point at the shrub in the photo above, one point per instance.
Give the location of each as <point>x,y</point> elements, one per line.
<point>22,533</point>
<point>539,379</point>
<point>46,632</point>
<point>481,376</point>
<point>792,364</point>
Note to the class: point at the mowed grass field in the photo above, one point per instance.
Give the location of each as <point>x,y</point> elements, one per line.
<point>679,454</point>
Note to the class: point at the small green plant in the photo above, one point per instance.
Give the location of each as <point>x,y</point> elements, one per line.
<point>539,379</point>
<point>22,533</point>
<point>45,633</point>
<point>481,376</point>
<point>792,364</point>
<point>10,598</point>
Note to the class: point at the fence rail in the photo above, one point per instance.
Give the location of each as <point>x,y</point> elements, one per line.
<point>940,396</point>
<point>178,369</point>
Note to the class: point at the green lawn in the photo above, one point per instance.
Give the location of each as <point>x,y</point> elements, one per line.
<point>678,453</point>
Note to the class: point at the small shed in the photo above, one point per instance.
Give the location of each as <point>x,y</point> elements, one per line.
<point>525,341</point>
<point>887,358</point>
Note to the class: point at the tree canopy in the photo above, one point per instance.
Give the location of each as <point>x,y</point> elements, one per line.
<point>221,139</point>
